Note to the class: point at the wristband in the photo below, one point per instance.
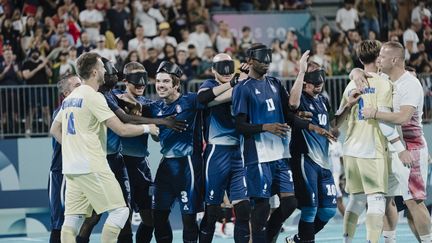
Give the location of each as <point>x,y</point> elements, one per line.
<point>398,146</point>
<point>146,128</point>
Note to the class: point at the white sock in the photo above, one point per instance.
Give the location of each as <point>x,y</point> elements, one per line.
<point>425,238</point>
<point>389,236</point>
<point>347,239</point>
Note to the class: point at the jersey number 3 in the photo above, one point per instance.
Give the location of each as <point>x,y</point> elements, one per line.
<point>71,124</point>
<point>270,104</point>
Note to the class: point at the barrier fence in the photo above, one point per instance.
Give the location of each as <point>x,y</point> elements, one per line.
<point>26,110</point>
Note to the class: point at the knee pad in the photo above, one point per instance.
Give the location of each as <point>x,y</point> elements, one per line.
<point>308,214</point>
<point>287,205</point>
<point>242,210</point>
<point>325,214</point>
<point>118,217</point>
<point>356,204</point>
<point>74,222</point>
<point>260,214</point>
<point>376,203</point>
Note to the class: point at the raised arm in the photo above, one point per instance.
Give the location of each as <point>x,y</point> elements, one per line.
<point>297,88</point>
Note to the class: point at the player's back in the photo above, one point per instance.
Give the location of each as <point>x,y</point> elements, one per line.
<point>84,133</point>
<point>364,138</point>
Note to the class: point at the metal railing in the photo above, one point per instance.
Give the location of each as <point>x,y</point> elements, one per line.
<point>26,110</point>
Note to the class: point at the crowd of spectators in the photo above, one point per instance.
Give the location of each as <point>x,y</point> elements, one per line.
<point>40,40</point>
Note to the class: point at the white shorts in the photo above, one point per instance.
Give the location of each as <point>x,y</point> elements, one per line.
<point>409,183</point>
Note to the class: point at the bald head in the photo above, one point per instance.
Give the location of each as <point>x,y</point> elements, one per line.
<point>222,57</point>
<point>395,48</point>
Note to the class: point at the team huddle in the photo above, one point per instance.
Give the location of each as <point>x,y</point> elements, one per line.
<point>241,135</point>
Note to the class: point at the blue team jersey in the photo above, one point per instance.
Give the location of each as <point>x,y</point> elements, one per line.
<point>308,142</point>
<point>136,146</point>
<point>219,124</point>
<point>113,140</point>
<point>179,144</point>
<point>56,160</point>
<point>261,102</point>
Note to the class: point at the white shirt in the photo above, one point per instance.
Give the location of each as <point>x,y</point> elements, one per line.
<point>202,40</point>
<point>347,18</point>
<point>92,16</point>
<point>107,53</point>
<point>410,35</point>
<point>417,14</point>
<point>134,43</point>
<point>149,21</point>
<point>159,42</point>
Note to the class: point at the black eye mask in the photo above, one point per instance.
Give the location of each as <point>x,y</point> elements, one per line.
<point>261,55</point>
<point>316,77</point>
<point>224,67</point>
<point>170,68</point>
<point>109,67</point>
<point>139,78</point>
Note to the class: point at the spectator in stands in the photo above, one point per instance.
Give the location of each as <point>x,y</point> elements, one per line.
<point>193,57</point>
<point>151,64</point>
<point>11,36</point>
<point>186,40</point>
<point>419,59</point>
<point>289,67</point>
<point>185,66</point>
<point>421,14</point>
<point>396,30</point>
<point>372,35</point>
<point>119,19</point>
<point>368,17</point>
<point>205,68</point>
<point>201,37</point>
<point>62,67</point>
<point>28,32</point>
<point>196,12</point>
<point>84,44</point>
<point>354,40</point>
<point>36,70</point>
<point>49,27</point>
<point>160,41</point>
<point>169,53</point>
<point>291,39</point>
<point>148,17</point>
<point>324,35</point>
<point>72,56</point>
<point>177,18</point>
<point>278,55</point>
<point>91,20</point>
<point>347,17</point>
<point>223,38</point>
<point>411,39</point>
<point>103,51</point>
<point>139,39</point>
<point>341,61</point>
<point>246,40</point>
<point>70,8</point>
<point>10,74</point>
<point>320,56</point>
<point>120,53</point>
<point>38,41</point>
<point>427,40</point>
<point>60,31</point>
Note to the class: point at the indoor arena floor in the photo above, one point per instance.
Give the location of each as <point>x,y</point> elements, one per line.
<point>332,233</point>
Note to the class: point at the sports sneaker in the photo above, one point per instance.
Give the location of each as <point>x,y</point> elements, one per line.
<point>291,239</point>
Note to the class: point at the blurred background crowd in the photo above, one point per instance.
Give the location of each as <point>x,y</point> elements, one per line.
<point>40,40</point>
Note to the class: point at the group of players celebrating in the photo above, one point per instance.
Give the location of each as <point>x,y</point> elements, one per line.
<point>241,135</point>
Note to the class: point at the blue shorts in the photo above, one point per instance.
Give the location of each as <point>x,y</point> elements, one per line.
<point>116,163</point>
<point>267,179</point>
<point>178,178</point>
<point>224,171</point>
<point>314,185</point>
<point>140,181</point>
<point>56,191</point>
